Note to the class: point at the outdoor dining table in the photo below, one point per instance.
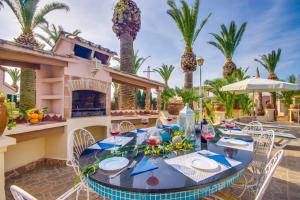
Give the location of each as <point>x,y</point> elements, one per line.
<point>165,182</point>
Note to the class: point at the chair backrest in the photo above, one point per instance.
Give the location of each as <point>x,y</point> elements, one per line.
<point>20,194</point>
<point>126,126</point>
<point>79,140</point>
<point>158,123</point>
<point>268,173</point>
<point>255,126</point>
<point>264,143</point>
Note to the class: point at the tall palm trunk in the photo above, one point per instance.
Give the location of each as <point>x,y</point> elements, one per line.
<point>28,79</point>
<point>127,93</point>
<point>273,76</point>
<point>260,108</point>
<point>229,67</point>
<point>188,79</point>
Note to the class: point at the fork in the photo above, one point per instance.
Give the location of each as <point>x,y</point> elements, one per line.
<point>124,169</point>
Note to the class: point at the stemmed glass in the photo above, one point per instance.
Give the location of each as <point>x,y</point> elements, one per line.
<point>169,119</point>
<point>208,132</point>
<point>114,131</point>
<point>145,121</point>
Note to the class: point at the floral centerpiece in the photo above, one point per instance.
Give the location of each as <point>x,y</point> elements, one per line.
<point>176,142</point>
<point>175,104</point>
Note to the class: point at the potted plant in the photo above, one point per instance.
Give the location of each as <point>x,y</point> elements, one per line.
<point>219,107</point>
<point>175,104</point>
<point>3,114</point>
<point>294,106</point>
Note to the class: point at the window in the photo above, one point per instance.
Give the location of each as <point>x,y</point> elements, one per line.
<point>104,58</point>
<point>82,52</point>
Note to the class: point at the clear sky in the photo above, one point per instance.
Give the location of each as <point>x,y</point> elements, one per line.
<point>272,24</point>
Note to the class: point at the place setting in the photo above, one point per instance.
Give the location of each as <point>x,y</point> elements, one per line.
<point>202,164</point>
<point>237,143</point>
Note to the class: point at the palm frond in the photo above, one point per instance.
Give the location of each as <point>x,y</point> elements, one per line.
<point>15,8</point>
<point>228,39</point>
<point>270,61</point>
<point>47,9</point>
<point>186,19</point>
<point>165,72</point>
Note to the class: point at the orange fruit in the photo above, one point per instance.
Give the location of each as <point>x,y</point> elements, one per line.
<point>41,115</point>
<point>34,121</point>
<point>34,116</point>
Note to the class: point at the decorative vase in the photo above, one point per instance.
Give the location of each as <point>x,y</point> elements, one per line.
<point>219,107</point>
<point>3,115</point>
<point>174,108</point>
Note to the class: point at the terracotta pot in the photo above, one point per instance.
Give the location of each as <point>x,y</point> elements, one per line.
<point>236,107</point>
<point>219,107</point>
<point>294,106</point>
<point>175,108</point>
<point>3,116</point>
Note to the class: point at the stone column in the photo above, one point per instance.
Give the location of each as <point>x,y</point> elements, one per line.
<point>4,143</point>
<point>147,103</point>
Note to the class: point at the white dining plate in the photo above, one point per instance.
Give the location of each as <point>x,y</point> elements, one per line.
<point>114,163</point>
<point>205,164</point>
<point>237,142</point>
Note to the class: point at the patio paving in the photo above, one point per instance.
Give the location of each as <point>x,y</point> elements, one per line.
<point>48,183</point>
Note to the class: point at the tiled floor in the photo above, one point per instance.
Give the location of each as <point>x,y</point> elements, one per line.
<point>48,183</point>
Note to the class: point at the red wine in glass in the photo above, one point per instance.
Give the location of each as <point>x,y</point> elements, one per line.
<point>208,137</point>
<point>153,142</point>
<point>114,133</point>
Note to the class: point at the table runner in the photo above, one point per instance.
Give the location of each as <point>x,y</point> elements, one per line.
<point>180,163</point>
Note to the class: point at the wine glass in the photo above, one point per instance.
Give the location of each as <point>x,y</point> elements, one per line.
<point>208,132</point>
<point>169,119</point>
<point>114,131</point>
<point>145,121</point>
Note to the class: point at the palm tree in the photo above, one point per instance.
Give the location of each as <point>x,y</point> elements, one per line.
<point>270,63</point>
<point>260,107</point>
<point>165,72</point>
<point>137,61</point>
<point>126,25</point>
<point>15,75</point>
<point>53,32</point>
<point>186,20</point>
<point>227,42</point>
<point>29,18</point>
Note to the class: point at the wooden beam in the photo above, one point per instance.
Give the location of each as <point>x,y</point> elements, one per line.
<point>29,58</point>
<point>11,63</point>
<point>131,81</point>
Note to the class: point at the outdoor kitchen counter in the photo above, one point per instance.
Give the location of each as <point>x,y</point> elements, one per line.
<point>132,117</point>
<point>23,132</point>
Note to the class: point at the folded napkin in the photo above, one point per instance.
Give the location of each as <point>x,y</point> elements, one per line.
<point>140,131</point>
<point>220,159</point>
<point>236,129</point>
<point>104,146</point>
<point>166,126</point>
<point>242,139</point>
<point>143,166</point>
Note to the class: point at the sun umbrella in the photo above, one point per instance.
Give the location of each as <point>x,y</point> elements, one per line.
<point>259,85</point>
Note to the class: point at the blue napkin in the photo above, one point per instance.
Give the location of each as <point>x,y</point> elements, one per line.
<point>236,129</point>
<point>140,131</point>
<point>166,126</point>
<point>143,166</point>
<point>105,146</point>
<point>242,139</point>
<point>220,159</point>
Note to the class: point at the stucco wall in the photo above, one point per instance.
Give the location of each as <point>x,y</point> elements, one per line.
<point>24,153</point>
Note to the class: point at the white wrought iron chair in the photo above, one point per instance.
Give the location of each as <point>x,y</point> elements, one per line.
<point>259,191</point>
<point>126,126</point>
<point>79,140</point>
<point>255,126</point>
<point>263,145</point>
<point>158,123</point>
<point>20,194</point>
